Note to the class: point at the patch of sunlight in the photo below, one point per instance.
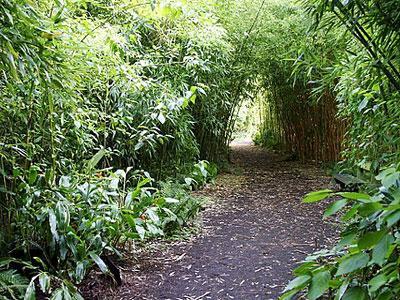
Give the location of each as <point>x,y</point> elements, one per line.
<point>248,120</point>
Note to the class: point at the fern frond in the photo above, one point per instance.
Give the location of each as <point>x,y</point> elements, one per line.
<point>12,284</point>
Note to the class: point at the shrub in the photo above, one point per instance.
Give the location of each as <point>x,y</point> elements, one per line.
<point>364,264</point>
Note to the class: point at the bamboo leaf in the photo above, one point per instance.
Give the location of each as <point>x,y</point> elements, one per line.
<point>317,196</point>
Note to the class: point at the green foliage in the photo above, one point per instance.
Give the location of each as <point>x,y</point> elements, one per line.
<point>96,96</point>
<point>12,284</point>
<point>182,210</point>
<point>362,69</point>
<point>289,119</point>
<point>267,138</point>
<point>15,286</point>
<point>201,173</point>
<point>364,263</point>
<point>91,95</point>
<point>359,61</point>
<point>84,216</point>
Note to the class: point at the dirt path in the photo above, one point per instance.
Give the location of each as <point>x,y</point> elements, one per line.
<point>252,238</point>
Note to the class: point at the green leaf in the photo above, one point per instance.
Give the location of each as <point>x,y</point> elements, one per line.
<point>305,267</point>
<point>65,181</point>
<point>319,284</point>
<point>53,225</point>
<point>335,207</point>
<point>113,185</point>
<point>388,177</point>
<point>143,182</point>
<point>353,263</point>
<point>58,294</point>
<point>370,239</point>
<point>129,197</point>
<point>161,118</point>
<point>390,180</point>
<point>351,213</point>
<point>44,282</point>
<point>347,239</point>
<point>130,220</point>
<point>363,104</point>
<point>171,200</point>
<point>153,215</point>
<point>154,230</point>
<point>297,283</point>
<point>96,158</point>
<point>99,262</point>
<point>393,218</point>
<point>355,293</point>
<point>381,249</point>
<point>80,271</point>
<point>67,292</point>
<point>141,231</point>
<point>30,293</point>
<point>139,145</point>
<point>340,292</point>
<point>354,196</point>
<point>385,173</point>
<point>317,196</point>
<point>387,295</point>
<point>185,102</point>
<point>377,282</point>
<point>288,295</point>
<point>33,174</point>
<point>367,209</point>
<point>193,91</point>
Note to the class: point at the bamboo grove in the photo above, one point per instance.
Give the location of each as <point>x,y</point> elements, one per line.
<point>361,70</point>
<point>106,108</point>
<point>291,119</point>
<point>112,111</point>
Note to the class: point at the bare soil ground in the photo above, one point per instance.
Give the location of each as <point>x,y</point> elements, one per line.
<point>253,234</point>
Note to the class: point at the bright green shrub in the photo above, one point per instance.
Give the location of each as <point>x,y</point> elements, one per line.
<point>364,264</point>
<point>201,173</point>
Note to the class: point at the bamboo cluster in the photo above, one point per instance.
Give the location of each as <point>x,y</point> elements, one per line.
<point>311,131</point>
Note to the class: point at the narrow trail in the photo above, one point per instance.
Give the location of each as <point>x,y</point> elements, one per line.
<point>253,236</point>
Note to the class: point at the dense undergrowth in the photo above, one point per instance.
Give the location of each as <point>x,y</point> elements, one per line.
<point>106,108</point>
<point>364,264</point>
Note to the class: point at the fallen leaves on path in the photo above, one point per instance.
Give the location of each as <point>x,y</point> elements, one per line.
<point>253,233</point>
